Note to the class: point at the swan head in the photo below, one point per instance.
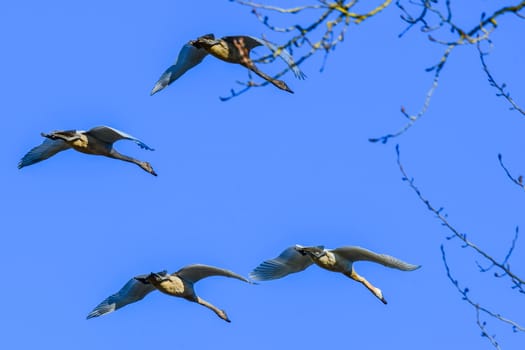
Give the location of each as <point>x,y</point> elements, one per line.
<point>205,41</point>
<point>147,166</point>
<point>313,252</point>
<point>282,85</point>
<point>158,276</point>
<point>161,84</point>
<point>153,277</point>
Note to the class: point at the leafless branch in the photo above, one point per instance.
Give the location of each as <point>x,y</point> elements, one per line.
<point>292,10</point>
<point>518,181</point>
<point>322,34</point>
<point>503,267</point>
<point>500,87</point>
<point>429,13</point>
<point>335,16</point>
<point>465,293</point>
<point>413,118</point>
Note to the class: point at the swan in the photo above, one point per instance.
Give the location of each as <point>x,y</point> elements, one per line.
<point>98,141</point>
<point>297,258</point>
<point>178,284</point>
<point>233,49</point>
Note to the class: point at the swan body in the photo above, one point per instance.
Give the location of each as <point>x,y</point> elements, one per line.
<point>232,49</point>
<point>179,284</point>
<point>297,258</point>
<point>97,141</point>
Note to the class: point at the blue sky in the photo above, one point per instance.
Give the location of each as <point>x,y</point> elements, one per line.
<point>241,180</point>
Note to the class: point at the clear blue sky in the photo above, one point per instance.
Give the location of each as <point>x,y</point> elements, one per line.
<point>241,180</point>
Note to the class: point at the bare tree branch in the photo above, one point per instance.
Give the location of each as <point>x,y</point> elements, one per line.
<point>443,17</point>
<point>503,267</point>
<point>518,181</point>
<point>335,17</point>
<point>413,118</point>
<point>465,293</point>
<point>482,326</point>
<point>277,9</point>
<point>492,81</point>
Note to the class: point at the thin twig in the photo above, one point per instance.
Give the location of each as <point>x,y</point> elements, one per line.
<point>465,296</point>
<point>518,181</point>
<point>518,282</point>
<point>428,12</point>
<point>499,87</point>
<point>334,16</point>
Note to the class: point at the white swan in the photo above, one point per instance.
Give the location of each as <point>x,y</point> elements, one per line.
<point>178,284</point>
<point>98,140</point>
<point>297,258</point>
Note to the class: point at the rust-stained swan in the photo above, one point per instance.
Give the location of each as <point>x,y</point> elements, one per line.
<point>178,284</point>
<point>98,141</point>
<point>232,49</point>
<point>297,258</point>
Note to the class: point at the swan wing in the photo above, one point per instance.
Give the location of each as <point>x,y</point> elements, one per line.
<point>352,253</point>
<point>132,291</point>
<point>189,57</point>
<point>110,135</point>
<point>196,272</point>
<point>47,149</point>
<point>289,261</point>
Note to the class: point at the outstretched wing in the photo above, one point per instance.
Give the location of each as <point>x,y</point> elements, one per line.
<point>290,261</point>
<point>189,57</point>
<point>358,253</point>
<point>194,273</point>
<point>110,135</point>
<point>249,42</point>
<point>47,149</point>
<point>284,54</point>
<point>132,291</point>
